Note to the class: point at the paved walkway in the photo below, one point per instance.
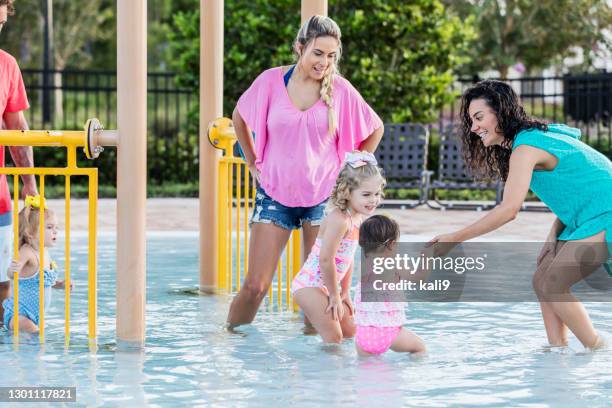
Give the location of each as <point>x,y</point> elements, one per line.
<point>181,214</point>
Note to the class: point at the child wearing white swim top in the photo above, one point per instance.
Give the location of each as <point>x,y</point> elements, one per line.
<point>379,324</point>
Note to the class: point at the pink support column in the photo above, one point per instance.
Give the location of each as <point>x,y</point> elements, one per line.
<point>313,7</point>
<point>211,107</point>
<point>131,171</point>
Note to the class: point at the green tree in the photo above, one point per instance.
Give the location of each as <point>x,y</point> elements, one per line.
<point>399,54</point>
<point>536,33</point>
<point>402,54</point>
<point>76,26</point>
<point>22,35</point>
<point>160,17</point>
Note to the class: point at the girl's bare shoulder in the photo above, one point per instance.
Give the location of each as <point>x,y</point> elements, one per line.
<point>26,252</point>
<point>336,219</point>
<point>29,261</point>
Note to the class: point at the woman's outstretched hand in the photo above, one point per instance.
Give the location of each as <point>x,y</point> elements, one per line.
<point>442,244</point>
<point>335,306</point>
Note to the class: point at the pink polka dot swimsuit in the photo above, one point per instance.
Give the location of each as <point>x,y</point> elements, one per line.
<point>377,323</point>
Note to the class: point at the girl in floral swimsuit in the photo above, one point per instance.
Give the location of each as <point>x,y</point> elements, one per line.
<point>322,287</point>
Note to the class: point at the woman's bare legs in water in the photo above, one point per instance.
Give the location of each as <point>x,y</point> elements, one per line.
<point>309,235</point>
<point>266,245</point>
<point>553,280</point>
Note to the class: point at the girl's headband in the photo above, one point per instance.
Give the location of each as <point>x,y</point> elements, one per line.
<point>359,158</point>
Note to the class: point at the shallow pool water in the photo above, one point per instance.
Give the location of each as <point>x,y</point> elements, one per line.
<point>480,354</point>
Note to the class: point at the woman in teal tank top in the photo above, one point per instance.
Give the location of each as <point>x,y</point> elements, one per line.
<point>570,177</point>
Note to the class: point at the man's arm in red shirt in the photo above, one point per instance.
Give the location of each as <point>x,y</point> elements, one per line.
<point>23,156</point>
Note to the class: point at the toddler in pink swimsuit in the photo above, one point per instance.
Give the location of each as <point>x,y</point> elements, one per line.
<point>322,287</point>
<point>379,324</point>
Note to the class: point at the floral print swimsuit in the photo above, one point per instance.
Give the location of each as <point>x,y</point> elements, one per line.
<point>310,275</point>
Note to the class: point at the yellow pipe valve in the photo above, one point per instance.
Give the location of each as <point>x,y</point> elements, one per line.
<point>222,135</point>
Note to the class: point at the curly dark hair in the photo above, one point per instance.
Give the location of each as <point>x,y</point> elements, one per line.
<point>377,232</point>
<point>9,6</point>
<point>493,162</point>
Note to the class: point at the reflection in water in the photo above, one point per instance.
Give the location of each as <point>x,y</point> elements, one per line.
<point>130,375</point>
<point>479,353</point>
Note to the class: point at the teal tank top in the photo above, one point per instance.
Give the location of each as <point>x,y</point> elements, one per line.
<point>579,189</point>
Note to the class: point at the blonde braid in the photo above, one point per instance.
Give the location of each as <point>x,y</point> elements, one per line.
<point>322,26</point>
<point>327,95</point>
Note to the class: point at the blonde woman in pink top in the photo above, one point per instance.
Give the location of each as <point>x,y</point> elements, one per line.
<point>305,118</point>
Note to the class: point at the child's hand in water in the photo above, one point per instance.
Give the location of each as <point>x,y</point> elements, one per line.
<point>346,298</point>
<point>61,284</point>
<point>335,306</point>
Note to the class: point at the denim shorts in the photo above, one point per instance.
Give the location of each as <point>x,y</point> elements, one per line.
<point>267,211</point>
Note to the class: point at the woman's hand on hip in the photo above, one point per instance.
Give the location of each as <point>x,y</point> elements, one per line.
<point>548,250</point>
<point>254,172</point>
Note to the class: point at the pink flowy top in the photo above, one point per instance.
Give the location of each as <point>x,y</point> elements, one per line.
<point>297,158</point>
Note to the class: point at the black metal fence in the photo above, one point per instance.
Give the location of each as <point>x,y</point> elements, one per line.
<point>75,96</point>
<point>581,101</point>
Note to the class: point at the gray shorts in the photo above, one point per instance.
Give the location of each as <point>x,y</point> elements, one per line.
<point>6,251</point>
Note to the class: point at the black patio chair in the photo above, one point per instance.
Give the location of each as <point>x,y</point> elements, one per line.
<point>454,175</point>
<point>402,153</point>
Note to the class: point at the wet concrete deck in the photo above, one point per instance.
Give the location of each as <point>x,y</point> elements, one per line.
<point>181,214</point>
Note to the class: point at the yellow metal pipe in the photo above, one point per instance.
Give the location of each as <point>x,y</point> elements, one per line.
<point>270,291</point>
<point>91,139</point>
<point>230,185</point>
<point>71,156</point>
<point>234,160</point>
<point>92,272</point>
<point>47,171</point>
<point>16,257</point>
<point>296,259</point>
<point>75,138</point>
<point>238,207</point>
<point>246,220</point>
<point>279,282</point>
<point>16,217</point>
<point>222,206</point>
<point>93,189</point>
<point>41,263</point>
<point>71,140</point>
<point>288,274</point>
<point>67,266</point>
